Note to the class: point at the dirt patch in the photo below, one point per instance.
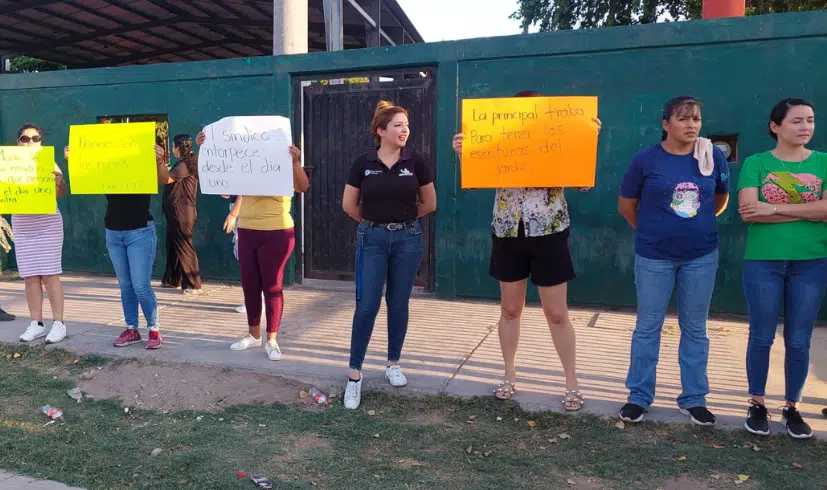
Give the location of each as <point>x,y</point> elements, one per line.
<point>176,387</point>
<point>303,445</point>
<point>429,418</point>
<point>717,480</point>
<point>407,463</point>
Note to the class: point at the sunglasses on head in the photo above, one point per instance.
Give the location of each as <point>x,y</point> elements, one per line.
<point>32,139</point>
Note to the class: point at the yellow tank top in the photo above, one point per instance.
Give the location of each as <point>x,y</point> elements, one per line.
<point>265,213</point>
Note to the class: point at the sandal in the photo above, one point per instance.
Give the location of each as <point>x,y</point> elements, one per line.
<point>505,390</point>
<point>573,400</point>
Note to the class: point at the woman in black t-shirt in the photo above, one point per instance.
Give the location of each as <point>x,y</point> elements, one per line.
<point>396,188</point>
<point>131,243</point>
<point>178,205</point>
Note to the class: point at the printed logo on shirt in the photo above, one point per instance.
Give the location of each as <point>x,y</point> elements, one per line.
<point>405,173</point>
<point>372,172</point>
<point>686,200</point>
<point>790,188</point>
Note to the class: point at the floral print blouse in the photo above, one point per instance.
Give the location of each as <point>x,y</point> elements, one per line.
<point>543,211</point>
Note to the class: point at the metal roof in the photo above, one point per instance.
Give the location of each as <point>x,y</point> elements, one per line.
<point>95,33</point>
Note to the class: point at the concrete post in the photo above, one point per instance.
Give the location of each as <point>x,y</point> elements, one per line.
<point>718,9</point>
<point>290,24</point>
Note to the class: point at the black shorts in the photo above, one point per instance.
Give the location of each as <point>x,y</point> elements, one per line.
<point>545,258</point>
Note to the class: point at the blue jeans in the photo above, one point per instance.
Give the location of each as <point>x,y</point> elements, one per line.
<point>797,287</point>
<point>383,255</point>
<point>133,253</point>
<point>655,281</point>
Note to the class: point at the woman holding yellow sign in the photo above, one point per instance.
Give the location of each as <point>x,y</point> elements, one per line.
<point>38,242</point>
<point>530,231</point>
<point>131,242</point>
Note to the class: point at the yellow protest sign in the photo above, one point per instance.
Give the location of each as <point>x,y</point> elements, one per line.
<point>529,142</point>
<point>27,180</point>
<point>113,159</point>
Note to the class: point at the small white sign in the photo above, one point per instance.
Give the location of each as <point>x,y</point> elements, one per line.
<point>247,156</point>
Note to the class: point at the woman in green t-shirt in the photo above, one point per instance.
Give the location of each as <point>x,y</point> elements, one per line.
<point>781,194</point>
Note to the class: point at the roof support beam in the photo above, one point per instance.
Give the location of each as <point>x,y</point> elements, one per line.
<point>371,21</point>
<point>334,28</point>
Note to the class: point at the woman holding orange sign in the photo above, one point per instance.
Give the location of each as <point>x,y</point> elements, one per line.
<point>530,232</point>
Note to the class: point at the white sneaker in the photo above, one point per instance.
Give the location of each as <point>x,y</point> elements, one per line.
<point>241,309</point>
<point>395,376</point>
<point>57,333</point>
<point>246,342</point>
<point>34,331</point>
<point>272,349</point>
<point>353,393</point>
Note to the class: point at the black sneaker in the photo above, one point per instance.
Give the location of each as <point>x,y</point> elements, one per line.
<point>796,427</point>
<point>700,416</point>
<point>758,420</point>
<point>6,317</point>
<point>632,413</point>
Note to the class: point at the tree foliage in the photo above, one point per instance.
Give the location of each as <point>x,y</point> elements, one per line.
<point>27,64</point>
<point>552,15</point>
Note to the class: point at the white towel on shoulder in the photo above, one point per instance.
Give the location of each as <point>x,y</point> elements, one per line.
<point>703,153</point>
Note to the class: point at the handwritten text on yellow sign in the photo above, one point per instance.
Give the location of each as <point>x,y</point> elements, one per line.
<point>529,142</point>
<point>113,159</point>
<point>27,180</point>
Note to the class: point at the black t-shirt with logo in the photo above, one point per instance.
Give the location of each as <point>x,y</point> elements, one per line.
<point>389,195</point>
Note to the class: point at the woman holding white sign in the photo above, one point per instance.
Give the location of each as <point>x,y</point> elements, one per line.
<point>266,239</point>
<point>530,232</point>
<point>381,194</point>
<point>38,242</point>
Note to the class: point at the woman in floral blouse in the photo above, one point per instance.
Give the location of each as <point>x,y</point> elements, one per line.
<point>530,233</point>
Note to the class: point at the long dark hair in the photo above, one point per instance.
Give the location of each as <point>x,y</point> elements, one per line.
<point>184,144</point>
<point>780,110</point>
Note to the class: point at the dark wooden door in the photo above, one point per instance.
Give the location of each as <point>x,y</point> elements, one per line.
<point>337,120</point>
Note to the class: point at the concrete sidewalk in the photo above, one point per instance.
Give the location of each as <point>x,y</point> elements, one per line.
<point>452,347</point>
<point>10,481</point>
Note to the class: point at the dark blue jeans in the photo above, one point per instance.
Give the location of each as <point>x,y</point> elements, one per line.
<point>384,256</point>
<point>797,287</point>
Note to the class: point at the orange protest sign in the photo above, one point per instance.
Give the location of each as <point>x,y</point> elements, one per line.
<point>529,142</point>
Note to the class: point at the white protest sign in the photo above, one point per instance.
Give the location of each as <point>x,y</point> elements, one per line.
<point>247,156</point>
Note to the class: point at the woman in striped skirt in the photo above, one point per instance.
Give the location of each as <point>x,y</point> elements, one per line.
<point>38,242</point>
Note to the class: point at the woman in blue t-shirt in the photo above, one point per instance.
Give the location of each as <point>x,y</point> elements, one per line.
<point>671,195</point>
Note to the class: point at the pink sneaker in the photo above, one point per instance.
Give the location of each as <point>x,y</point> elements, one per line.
<point>128,337</point>
<point>154,341</point>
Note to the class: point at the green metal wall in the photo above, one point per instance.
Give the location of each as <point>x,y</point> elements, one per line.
<point>738,67</point>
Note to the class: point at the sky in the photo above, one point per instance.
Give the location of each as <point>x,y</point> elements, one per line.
<point>445,20</point>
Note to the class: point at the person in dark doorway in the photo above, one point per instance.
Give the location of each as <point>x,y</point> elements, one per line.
<point>131,242</point>
<point>387,191</point>
<point>178,205</point>
<point>782,196</point>
<point>265,241</point>
<point>671,195</point>
<point>39,251</point>
<point>529,235</point>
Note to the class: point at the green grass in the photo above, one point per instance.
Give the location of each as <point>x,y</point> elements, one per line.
<point>421,443</point>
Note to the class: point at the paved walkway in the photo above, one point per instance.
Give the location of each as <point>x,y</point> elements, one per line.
<point>452,347</point>
<point>10,481</point>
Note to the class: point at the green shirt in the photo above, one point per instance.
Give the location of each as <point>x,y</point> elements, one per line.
<point>781,182</point>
